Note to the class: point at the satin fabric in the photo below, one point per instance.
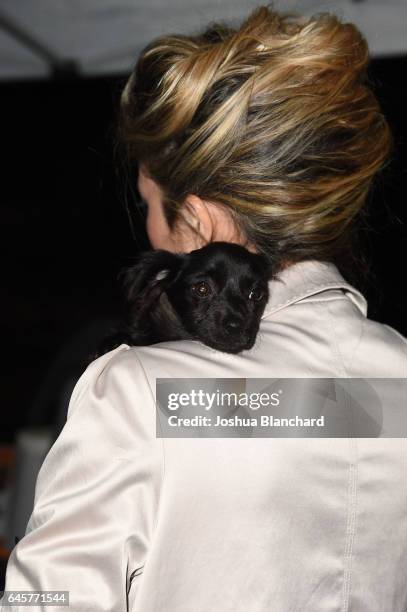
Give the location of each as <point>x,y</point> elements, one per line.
<point>127,521</point>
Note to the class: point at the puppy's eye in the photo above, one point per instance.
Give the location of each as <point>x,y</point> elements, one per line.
<point>256,295</point>
<point>202,289</point>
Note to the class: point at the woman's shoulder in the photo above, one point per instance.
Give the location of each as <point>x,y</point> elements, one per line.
<point>384,348</point>
<point>369,348</point>
<point>113,394</point>
<point>97,376</point>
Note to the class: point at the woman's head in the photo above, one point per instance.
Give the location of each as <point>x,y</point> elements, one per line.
<point>200,222</point>
<point>270,127</point>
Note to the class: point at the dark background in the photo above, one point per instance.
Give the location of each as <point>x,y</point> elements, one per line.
<point>66,230</point>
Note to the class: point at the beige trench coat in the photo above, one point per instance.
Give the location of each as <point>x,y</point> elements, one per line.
<point>128,521</point>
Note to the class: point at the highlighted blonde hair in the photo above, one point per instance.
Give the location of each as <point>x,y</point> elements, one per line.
<point>274,120</point>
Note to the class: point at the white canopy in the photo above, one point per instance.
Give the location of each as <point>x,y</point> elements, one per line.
<point>105,36</point>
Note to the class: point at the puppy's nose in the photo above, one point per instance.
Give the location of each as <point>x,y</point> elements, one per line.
<point>233,324</point>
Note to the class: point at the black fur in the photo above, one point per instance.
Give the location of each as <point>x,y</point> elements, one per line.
<point>215,294</point>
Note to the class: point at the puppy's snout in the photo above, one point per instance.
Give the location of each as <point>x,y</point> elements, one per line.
<point>233,324</point>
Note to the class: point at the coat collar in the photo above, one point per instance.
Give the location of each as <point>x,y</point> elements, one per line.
<point>307,278</point>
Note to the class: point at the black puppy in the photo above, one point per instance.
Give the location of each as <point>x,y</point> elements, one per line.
<point>215,294</point>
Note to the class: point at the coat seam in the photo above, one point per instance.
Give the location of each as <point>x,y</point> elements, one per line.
<point>334,345</point>
<point>352,476</point>
<point>351,525</point>
<point>362,331</point>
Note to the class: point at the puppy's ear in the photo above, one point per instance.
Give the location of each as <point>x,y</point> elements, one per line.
<point>266,265</point>
<point>153,271</point>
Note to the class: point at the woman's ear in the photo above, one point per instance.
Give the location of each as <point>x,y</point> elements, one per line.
<point>196,215</point>
<point>154,270</point>
<point>212,222</point>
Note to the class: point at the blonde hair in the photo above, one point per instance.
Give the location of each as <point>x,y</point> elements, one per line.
<point>274,120</point>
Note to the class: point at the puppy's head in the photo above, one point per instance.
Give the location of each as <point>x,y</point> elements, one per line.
<point>220,294</point>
